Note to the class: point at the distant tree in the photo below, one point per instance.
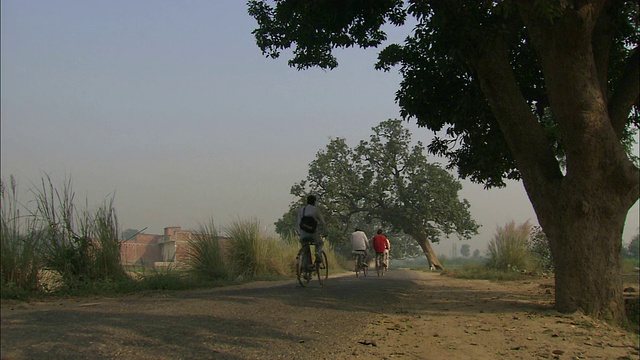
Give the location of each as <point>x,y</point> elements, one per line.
<point>476,254</point>
<point>129,234</point>
<point>634,247</point>
<point>387,182</point>
<point>465,250</point>
<point>543,91</point>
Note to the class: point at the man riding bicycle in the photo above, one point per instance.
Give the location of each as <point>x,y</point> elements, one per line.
<point>311,234</point>
<point>381,246</point>
<point>360,244</point>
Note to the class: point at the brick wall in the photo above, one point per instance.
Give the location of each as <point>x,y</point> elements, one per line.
<point>172,246</point>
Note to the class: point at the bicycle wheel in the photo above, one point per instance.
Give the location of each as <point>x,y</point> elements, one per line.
<point>365,268</point>
<point>302,274</point>
<point>380,265</point>
<point>322,269</point>
<point>357,265</point>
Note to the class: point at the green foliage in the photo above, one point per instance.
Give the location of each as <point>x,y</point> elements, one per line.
<point>59,250</point>
<point>539,245</point>
<point>384,182</point>
<point>439,63</point>
<point>106,263</point>
<point>482,272</point>
<point>165,278</point>
<point>403,246</point>
<point>253,253</point>
<point>629,266</point>
<point>204,256</point>
<point>341,25</point>
<point>509,248</point>
<point>465,250</point>
<point>633,249</point>
<point>20,240</point>
<point>79,245</point>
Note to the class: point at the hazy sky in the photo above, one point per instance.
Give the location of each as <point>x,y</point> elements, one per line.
<point>171,105</point>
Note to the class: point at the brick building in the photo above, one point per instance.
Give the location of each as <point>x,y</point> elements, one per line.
<point>154,250</point>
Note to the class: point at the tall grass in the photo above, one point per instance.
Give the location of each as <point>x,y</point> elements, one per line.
<point>79,245</point>
<point>20,238</point>
<point>509,248</point>
<point>253,253</point>
<point>106,254</point>
<point>204,258</point>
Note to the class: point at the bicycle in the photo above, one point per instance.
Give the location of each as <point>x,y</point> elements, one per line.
<point>306,268</point>
<point>380,264</point>
<point>360,265</point>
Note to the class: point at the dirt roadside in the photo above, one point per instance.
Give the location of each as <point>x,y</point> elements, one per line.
<point>404,315</point>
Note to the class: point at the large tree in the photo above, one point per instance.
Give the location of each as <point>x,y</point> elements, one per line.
<point>535,90</point>
<point>385,182</point>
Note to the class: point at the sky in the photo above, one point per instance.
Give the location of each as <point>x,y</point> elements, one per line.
<point>169,108</point>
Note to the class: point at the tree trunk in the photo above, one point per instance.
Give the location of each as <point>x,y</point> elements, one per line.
<point>585,234</point>
<point>582,210</point>
<point>424,243</point>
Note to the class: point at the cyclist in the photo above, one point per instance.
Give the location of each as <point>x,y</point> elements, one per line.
<point>381,246</point>
<point>360,244</point>
<point>312,211</point>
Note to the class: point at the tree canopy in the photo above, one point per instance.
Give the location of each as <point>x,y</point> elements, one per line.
<point>440,63</point>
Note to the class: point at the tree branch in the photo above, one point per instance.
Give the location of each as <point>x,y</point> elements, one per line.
<point>625,93</point>
<point>524,135</point>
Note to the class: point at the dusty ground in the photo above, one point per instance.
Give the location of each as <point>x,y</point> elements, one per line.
<point>404,315</point>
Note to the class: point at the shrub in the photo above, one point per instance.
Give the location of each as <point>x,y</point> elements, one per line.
<point>106,254</point>
<point>164,278</point>
<point>204,258</point>
<point>481,271</point>
<point>540,249</point>
<point>80,246</point>
<point>633,249</point>
<point>255,254</point>
<point>20,239</point>
<point>509,248</point>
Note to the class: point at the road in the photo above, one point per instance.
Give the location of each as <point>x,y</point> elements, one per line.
<point>406,314</point>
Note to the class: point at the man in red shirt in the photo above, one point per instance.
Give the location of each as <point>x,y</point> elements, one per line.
<point>381,246</point>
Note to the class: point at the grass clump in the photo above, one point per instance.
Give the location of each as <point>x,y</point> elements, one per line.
<point>166,278</point>
<point>80,245</point>
<point>54,247</point>
<point>629,266</point>
<point>482,272</point>
<point>509,249</point>
<point>20,241</point>
<point>254,254</point>
<point>204,258</point>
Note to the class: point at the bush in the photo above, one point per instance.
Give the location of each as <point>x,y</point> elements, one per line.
<point>482,272</point>
<point>164,278</point>
<point>20,240</point>
<point>204,258</point>
<point>78,245</point>
<point>254,254</point>
<point>509,248</point>
<point>540,249</point>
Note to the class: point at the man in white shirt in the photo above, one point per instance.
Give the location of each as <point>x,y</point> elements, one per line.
<point>360,243</point>
<point>312,210</point>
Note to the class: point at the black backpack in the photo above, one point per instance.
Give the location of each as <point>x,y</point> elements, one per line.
<point>308,223</point>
